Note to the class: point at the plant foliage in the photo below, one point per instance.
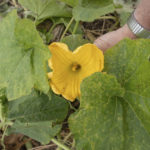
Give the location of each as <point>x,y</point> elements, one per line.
<point>114,111</point>
<point>115,115</point>
<point>23,59</point>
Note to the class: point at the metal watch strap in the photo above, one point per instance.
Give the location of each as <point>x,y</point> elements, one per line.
<point>137,29</point>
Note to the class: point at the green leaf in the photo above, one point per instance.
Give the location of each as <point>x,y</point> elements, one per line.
<point>3,106</point>
<point>126,5</point>
<point>129,61</point>
<point>124,17</point>
<point>124,8</point>
<point>38,107</point>
<point>23,57</point>
<point>98,117</point>
<point>43,132</point>
<point>105,120</point>
<point>37,116</point>
<point>91,10</point>
<point>71,28</point>
<point>2,93</point>
<point>50,34</point>
<point>71,2</point>
<point>73,41</point>
<point>46,8</point>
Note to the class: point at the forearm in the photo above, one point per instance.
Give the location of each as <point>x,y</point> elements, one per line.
<point>142,15</point>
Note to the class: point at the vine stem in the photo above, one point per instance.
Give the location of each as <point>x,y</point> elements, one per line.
<point>49,32</point>
<point>108,17</point>
<point>60,144</point>
<point>67,137</point>
<point>75,27</point>
<point>73,144</point>
<point>15,4</point>
<point>2,138</point>
<point>69,24</point>
<point>112,28</point>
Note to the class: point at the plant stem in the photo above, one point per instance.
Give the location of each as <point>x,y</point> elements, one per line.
<point>69,24</point>
<point>59,148</point>
<point>48,35</point>
<point>28,145</point>
<point>73,144</point>
<point>67,137</point>
<point>60,144</point>
<point>15,4</point>
<point>2,138</point>
<point>108,17</point>
<point>112,28</point>
<point>75,27</point>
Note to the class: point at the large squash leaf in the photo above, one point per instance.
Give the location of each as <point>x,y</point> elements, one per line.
<point>46,8</point>
<point>42,132</point>
<point>38,107</point>
<point>77,41</point>
<point>35,116</point>
<point>129,61</point>
<point>99,116</point>
<point>116,121</point>
<point>23,57</point>
<point>90,10</point>
<point>71,2</point>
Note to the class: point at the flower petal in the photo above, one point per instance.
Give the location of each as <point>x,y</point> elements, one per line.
<point>72,88</point>
<point>50,63</point>
<point>90,58</point>
<point>60,55</point>
<point>66,85</point>
<point>50,74</point>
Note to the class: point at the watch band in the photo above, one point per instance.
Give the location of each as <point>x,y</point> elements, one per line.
<point>137,29</point>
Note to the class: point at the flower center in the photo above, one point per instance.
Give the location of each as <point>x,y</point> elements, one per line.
<point>75,67</point>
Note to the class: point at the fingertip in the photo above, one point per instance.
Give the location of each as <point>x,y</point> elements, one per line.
<point>102,45</point>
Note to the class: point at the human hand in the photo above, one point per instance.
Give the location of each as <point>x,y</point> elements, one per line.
<point>110,39</point>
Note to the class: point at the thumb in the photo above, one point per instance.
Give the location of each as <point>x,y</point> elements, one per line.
<point>107,40</point>
<point>112,38</point>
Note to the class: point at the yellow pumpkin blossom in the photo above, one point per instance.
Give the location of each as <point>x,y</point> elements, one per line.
<point>70,68</point>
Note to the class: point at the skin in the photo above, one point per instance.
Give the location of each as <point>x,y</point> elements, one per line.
<point>142,15</point>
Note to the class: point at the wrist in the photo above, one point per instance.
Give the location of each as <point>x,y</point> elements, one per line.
<point>126,32</point>
<point>137,28</point>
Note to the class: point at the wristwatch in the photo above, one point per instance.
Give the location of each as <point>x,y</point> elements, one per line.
<point>136,28</point>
